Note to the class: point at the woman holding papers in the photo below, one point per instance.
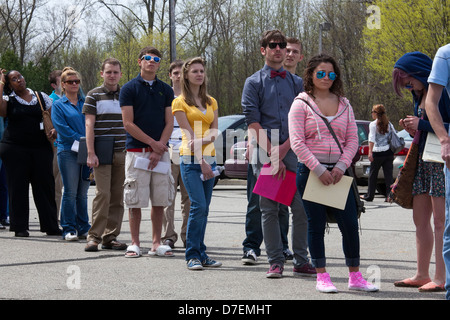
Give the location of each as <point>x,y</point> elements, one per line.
<point>411,71</point>
<point>380,153</point>
<point>319,154</point>
<point>197,115</point>
<point>69,122</point>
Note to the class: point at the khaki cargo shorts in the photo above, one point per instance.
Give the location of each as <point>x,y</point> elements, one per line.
<point>140,186</point>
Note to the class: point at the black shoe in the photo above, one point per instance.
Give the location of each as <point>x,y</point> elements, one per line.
<point>57,232</point>
<point>366,198</point>
<point>22,234</point>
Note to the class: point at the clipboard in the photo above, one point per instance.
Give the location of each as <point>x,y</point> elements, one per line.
<point>104,149</point>
<point>432,150</point>
<point>334,195</point>
<point>279,190</point>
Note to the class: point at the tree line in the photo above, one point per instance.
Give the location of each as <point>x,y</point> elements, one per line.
<point>366,37</point>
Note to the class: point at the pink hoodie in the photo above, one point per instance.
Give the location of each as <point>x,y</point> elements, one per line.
<point>311,140</point>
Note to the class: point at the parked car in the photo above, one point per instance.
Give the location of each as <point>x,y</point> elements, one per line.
<point>236,165</point>
<point>232,129</point>
<point>362,166</point>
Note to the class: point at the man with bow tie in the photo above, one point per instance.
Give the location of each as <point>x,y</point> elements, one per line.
<point>266,100</point>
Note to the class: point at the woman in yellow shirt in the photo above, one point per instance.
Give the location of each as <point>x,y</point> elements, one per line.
<point>196,113</point>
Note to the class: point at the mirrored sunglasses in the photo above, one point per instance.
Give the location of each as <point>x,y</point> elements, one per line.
<point>149,58</point>
<point>331,75</point>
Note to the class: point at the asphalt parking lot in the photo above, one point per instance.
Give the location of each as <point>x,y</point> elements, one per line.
<point>42,267</point>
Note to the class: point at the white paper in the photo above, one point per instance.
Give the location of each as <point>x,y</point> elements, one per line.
<point>334,195</point>
<point>143,163</point>
<point>432,150</point>
<point>75,146</point>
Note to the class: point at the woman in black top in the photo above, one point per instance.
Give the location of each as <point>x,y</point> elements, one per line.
<point>27,155</point>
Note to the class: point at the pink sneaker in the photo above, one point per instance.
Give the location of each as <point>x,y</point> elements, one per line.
<point>357,282</point>
<point>324,283</point>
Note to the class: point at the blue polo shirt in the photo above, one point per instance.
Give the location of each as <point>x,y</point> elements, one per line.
<point>149,107</point>
<point>268,100</point>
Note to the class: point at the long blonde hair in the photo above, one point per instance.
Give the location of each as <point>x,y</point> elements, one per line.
<point>383,121</point>
<point>186,88</point>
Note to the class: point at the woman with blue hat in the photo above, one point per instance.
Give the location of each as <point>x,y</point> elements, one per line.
<point>411,71</point>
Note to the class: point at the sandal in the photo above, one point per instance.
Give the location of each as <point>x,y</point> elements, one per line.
<point>133,251</point>
<point>162,251</point>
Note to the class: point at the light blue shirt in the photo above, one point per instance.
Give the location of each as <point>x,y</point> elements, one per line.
<point>440,73</point>
<point>69,122</point>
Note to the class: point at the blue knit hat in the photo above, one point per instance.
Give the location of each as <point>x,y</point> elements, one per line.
<point>417,65</point>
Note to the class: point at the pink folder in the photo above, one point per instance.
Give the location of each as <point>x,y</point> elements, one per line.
<point>279,190</point>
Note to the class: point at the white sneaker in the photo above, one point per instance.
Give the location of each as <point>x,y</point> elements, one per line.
<point>71,237</point>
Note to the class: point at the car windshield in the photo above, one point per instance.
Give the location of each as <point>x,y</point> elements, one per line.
<point>225,122</point>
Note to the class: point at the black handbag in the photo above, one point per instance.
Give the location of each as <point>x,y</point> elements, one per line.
<point>359,203</point>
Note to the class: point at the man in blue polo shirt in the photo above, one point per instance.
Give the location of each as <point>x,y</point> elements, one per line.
<point>147,117</point>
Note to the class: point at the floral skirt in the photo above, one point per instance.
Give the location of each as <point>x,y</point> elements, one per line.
<point>429,179</point>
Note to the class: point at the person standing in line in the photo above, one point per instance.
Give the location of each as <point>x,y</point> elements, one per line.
<point>411,71</point>
<point>253,228</point>
<point>438,82</point>
<point>55,81</point>
<point>266,100</point>
<point>69,123</point>
<point>380,153</point>
<point>146,112</point>
<point>170,236</point>
<point>318,153</point>
<point>27,155</point>
<point>294,54</point>
<point>197,114</point>
<point>4,211</point>
<point>104,119</point>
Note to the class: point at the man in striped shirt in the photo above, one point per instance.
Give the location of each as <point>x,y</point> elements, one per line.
<point>104,118</point>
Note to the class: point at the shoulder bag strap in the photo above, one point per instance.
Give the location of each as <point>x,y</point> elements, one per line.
<point>327,124</point>
<point>39,100</point>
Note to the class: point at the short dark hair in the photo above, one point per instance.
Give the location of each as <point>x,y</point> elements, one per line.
<point>53,75</point>
<point>336,88</point>
<point>296,41</point>
<point>112,61</point>
<point>270,35</point>
<point>175,64</point>
<point>149,49</point>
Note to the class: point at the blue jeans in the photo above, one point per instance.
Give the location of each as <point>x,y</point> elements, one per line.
<point>200,193</point>
<point>346,219</point>
<point>74,208</point>
<point>446,248</point>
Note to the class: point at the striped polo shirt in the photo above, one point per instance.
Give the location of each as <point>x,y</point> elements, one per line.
<point>105,105</point>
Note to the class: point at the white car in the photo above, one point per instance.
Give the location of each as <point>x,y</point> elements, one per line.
<point>362,167</point>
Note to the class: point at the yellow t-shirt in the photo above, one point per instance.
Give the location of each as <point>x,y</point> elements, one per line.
<point>199,122</point>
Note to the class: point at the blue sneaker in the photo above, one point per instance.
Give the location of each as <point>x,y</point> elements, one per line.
<point>210,263</point>
<point>194,264</point>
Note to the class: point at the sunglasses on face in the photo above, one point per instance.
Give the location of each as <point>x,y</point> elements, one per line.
<point>72,81</point>
<point>149,58</point>
<point>409,85</point>
<point>331,75</point>
<point>273,45</point>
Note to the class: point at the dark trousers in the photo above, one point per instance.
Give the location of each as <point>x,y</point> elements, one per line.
<point>25,165</point>
<point>383,160</point>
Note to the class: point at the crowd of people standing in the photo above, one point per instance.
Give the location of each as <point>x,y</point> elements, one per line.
<point>299,124</point>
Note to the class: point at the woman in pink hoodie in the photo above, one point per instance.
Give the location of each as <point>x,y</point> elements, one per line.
<point>318,153</point>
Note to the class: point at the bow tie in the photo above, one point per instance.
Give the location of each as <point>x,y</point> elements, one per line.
<point>274,74</point>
